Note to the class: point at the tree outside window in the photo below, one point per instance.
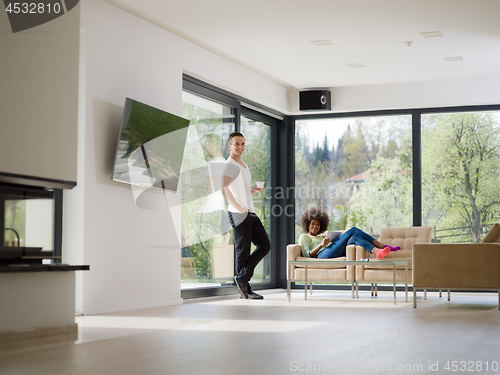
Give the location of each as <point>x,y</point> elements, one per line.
<point>460,174</point>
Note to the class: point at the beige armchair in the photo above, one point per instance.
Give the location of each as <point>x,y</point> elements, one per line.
<point>326,271</point>
<point>374,271</point>
<point>458,266</point>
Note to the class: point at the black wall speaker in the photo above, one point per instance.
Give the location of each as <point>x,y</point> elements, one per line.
<point>315,99</point>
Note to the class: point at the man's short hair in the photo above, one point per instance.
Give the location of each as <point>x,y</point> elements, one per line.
<point>235,134</point>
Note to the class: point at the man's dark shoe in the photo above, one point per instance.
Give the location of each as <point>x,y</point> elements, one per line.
<point>242,285</point>
<point>253,295</point>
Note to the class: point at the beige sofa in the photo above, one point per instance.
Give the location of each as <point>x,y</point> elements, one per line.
<point>373,272</point>
<point>327,271</point>
<point>458,266</point>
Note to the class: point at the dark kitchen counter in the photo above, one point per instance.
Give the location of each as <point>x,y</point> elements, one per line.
<point>17,268</point>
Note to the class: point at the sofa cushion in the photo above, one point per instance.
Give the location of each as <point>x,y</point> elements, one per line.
<point>325,263</point>
<point>405,237</point>
<point>493,236</point>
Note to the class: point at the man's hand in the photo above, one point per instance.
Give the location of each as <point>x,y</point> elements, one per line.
<point>242,210</point>
<point>255,189</point>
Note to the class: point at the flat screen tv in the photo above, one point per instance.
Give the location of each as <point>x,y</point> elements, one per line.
<point>150,147</point>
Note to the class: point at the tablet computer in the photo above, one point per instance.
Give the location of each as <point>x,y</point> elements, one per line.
<point>333,235</point>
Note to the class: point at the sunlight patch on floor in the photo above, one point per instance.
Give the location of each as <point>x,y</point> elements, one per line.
<point>133,322</point>
<point>240,325</point>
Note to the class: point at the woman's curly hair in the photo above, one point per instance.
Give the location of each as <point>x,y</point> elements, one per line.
<point>314,214</point>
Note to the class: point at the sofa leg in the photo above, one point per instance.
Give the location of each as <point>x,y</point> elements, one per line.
<point>499,300</point>
<point>425,294</point>
<point>415,298</point>
<point>311,288</point>
<point>376,290</point>
<point>440,293</point>
<point>448,295</point>
<point>372,289</point>
<point>352,289</point>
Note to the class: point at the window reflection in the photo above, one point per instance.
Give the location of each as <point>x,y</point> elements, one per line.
<point>207,257</point>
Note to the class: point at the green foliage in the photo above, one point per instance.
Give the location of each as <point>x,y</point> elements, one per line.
<point>357,217</point>
<point>202,261</point>
<point>350,217</point>
<point>147,123</point>
<point>343,217</point>
<point>460,162</point>
<point>385,195</point>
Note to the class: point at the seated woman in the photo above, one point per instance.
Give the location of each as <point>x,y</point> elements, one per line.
<point>315,221</point>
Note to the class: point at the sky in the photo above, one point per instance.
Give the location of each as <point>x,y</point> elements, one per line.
<point>333,128</point>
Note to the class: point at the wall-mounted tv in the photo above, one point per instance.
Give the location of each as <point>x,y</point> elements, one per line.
<point>150,147</point>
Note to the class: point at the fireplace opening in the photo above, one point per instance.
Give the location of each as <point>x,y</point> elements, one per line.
<point>31,223</point>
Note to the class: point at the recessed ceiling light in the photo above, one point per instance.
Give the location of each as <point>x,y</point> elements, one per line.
<point>431,34</point>
<point>321,42</point>
<point>357,65</point>
<point>454,58</point>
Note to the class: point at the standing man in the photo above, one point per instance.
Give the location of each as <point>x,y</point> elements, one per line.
<point>247,227</point>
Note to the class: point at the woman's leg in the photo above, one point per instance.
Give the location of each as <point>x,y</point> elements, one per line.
<point>334,250</point>
<point>366,236</point>
<point>369,246</point>
<point>359,241</point>
<point>338,248</point>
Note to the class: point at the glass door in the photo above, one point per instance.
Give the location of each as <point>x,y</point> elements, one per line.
<point>207,242</point>
<point>257,156</point>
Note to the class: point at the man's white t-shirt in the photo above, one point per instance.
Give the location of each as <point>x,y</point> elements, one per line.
<point>240,185</point>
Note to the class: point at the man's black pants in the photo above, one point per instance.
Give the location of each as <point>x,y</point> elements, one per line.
<point>248,229</point>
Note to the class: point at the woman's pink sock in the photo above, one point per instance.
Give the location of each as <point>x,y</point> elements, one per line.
<point>382,253</point>
<point>393,248</point>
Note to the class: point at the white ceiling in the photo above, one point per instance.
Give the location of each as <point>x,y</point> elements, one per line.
<point>273,37</point>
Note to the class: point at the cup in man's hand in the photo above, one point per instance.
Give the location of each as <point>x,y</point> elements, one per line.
<point>260,184</point>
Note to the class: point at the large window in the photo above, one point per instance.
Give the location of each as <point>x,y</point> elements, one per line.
<point>359,170</point>
<point>460,174</point>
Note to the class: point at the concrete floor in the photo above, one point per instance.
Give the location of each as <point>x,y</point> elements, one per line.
<point>328,333</point>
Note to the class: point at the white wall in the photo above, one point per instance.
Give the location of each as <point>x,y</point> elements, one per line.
<point>418,95</point>
<point>38,98</point>
<point>35,300</point>
<point>134,254</point>
<point>431,94</point>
